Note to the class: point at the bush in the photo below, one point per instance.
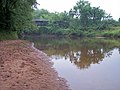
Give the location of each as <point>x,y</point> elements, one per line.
<point>8,35</point>
<point>115,33</point>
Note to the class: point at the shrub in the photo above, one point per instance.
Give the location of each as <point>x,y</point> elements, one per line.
<point>8,35</point>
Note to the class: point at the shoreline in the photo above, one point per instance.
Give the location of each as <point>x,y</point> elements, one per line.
<point>23,67</point>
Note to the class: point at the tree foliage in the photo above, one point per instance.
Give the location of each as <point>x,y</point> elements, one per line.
<point>82,19</point>
<point>88,15</point>
<point>15,14</point>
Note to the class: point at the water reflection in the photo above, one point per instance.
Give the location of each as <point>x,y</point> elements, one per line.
<point>81,52</point>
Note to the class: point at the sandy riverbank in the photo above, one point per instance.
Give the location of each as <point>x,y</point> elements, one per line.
<point>23,67</point>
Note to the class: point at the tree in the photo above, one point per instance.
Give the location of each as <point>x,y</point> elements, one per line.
<point>119,20</point>
<point>42,13</point>
<point>97,15</point>
<point>87,15</point>
<point>83,11</point>
<point>16,14</point>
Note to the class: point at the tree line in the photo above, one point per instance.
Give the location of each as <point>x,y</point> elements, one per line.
<point>82,19</point>
<point>16,15</point>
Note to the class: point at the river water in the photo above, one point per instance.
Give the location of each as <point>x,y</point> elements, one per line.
<point>86,63</point>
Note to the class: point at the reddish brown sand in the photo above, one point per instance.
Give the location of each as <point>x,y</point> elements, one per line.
<point>23,67</point>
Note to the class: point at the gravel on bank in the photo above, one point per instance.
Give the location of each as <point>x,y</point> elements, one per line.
<point>22,67</point>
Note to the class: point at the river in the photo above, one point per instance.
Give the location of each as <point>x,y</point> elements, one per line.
<point>86,63</point>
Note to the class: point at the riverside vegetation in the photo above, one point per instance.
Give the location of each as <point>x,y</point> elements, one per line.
<point>82,20</point>
<point>15,16</point>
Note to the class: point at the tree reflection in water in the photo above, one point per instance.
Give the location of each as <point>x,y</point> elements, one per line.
<point>81,52</point>
<point>84,58</point>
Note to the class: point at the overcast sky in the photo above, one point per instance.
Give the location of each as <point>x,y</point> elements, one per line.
<point>110,6</point>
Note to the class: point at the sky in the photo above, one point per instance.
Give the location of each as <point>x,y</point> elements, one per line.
<point>110,6</point>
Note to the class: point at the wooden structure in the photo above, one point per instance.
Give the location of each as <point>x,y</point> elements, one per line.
<point>41,22</point>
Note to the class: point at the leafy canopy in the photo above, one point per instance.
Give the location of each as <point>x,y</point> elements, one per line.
<point>16,14</point>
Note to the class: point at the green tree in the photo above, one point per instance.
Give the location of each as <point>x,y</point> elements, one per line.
<point>88,15</point>
<point>119,20</point>
<point>15,15</point>
<point>83,11</point>
<point>97,15</point>
<point>42,13</point>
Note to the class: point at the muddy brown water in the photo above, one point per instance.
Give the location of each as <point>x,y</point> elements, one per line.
<point>86,63</point>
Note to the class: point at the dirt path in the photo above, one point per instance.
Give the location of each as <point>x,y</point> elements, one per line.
<point>25,68</point>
